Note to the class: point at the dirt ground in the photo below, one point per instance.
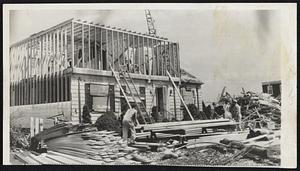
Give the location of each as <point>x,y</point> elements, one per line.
<point>203,156</point>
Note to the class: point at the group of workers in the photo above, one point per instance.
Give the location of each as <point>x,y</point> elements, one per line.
<point>231,111</point>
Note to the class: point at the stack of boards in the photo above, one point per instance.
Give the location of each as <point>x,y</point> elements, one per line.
<point>100,147</point>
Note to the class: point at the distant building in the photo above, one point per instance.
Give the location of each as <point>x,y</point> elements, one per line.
<point>272,87</point>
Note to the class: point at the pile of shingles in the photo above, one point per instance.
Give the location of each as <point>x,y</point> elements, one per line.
<point>100,147</point>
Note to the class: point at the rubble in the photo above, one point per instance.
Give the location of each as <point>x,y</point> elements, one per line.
<point>258,110</point>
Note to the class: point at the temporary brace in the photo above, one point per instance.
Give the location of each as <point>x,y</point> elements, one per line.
<point>179,95</point>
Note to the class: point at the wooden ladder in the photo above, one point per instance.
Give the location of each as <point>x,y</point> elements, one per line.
<point>142,108</point>
<point>123,92</point>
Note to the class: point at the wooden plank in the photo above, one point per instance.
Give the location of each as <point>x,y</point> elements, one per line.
<point>47,160</point>
<point>208,125</point>
<point>123,48</point>
<point>57,86</point>
<point>138,54</point>
<point>61,160</point>
<point>65,48</point>
<point>128,52</point>
<point>61,44</point>
<point>66,87</point>
<point>143,56</point>
<point>178,59</point>
<point>57,51</point>
<point>46,88</point>
<point>34,91</point>
<point>77,159</point>
<point>39,159</point>
<point>112,49</point>
<point>95,48</point>
<point>101,49</point>
<point>118,30</point>
<point>181,123</point>
<point>62,93</point>
<point>174,98</point>
<point>50,88</point>
<point>22,158</point>
<point>153,70</point>
<point>37,126</point>
<point>89,45</point>
<point>26,91</point>
<point>72,44</point>
<point>187,109</point>
<point>32,126</point>
<point>38,90</point>
<point>106,46</point>
<point>41,126</point>
<point>66,156</point>
<point>79,102</point>
<point>118,49</point>
<point>22,92</point>
<point>133,53</point>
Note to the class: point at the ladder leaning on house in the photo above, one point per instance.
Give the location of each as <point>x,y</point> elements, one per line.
<point>142,108</point>
<point>140,111</point>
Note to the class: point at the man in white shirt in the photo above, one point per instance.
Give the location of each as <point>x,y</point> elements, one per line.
<point>128,124</point>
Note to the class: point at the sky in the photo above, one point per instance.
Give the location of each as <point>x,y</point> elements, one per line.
<point>232,48</point>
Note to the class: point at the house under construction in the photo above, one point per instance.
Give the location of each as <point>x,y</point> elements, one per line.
<point>76,63</point>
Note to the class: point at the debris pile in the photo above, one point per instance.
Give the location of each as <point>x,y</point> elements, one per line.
<point>19,138</point>
<point>235,150</point>
<point>258,110</point>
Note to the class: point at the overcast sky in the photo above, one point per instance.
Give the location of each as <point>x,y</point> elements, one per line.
<point>232,48</point>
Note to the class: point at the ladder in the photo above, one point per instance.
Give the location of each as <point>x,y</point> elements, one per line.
<point>142,108</point>
<point>123,92</point>
<point>187,109</point>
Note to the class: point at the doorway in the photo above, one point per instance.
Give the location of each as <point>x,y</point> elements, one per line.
<point>160,102</point>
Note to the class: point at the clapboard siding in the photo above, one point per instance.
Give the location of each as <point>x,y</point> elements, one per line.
<point>75,98</point>
<point>150,96</point>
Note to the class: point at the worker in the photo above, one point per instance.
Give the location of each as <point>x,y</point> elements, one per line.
<point>213,111</point>
<point>236,113</point>
<point>208,112</point>
<point>128,125</point>
<point>227,114</point>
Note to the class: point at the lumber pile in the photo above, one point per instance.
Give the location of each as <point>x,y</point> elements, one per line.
<point>100,148</point>
<point>184,125</point>
<point>105,147</point>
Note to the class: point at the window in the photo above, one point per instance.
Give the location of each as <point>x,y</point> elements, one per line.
<point>270,89</point>
<point>142,92</point>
